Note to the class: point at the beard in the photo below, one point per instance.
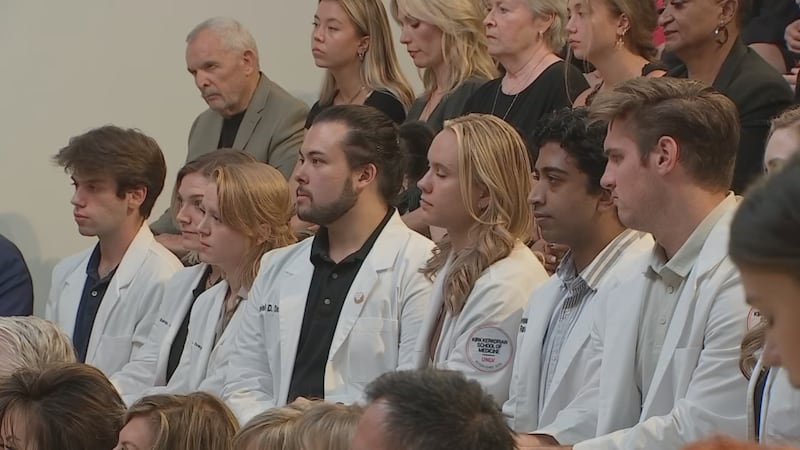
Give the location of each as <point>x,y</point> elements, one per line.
<point>326,214</point>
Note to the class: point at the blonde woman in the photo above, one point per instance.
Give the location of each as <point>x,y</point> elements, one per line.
<point>476,189</point>
<point>445,39</point>
<point>524,36</point>
<point>246,211</point>
<point>273,429</point>
<point>352,40</point>
<point>31,342</point>
<point>197,421</point>
<point>327,426</point>
<point>616,37</point>
<point>156,361</point>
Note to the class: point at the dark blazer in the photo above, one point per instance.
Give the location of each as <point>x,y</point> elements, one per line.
<point>16,287</point>
<point>271,130</point>
<point>760,93</point>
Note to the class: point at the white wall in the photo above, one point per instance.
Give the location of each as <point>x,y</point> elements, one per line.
<point>72,66</point>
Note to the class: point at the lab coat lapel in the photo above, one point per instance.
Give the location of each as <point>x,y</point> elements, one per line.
<point>208,332</point>
<point>70,297</point>
<point>292,304</point>
<point>575,341</point>
<point>544,302</point>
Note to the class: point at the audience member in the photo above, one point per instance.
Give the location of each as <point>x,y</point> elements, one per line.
<point>16,286</point>
<point>31,342</point>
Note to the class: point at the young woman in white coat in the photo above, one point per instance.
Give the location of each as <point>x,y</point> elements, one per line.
<point>155,363</point>
<point>476,189</point>
<point>246,212</point>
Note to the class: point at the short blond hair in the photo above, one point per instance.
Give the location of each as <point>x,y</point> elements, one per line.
<point>273,429</point>
<point>327,425</point>
<point>32,343</point>
<point>198,421</point>
<point>556,36</point>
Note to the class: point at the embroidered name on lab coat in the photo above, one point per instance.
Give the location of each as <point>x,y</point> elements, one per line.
<point>268,308</point>
<point>489,349</point>
<point>523,325</point>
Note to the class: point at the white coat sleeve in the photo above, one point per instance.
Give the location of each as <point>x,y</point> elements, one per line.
<point>494,310</point>
<point>248,385</point>
<point>578,421</point>
<point>149,300</point>
<point>716,397</point>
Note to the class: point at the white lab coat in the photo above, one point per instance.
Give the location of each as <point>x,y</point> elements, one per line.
<point>524,410</point>
<point>148,367</point>
<point>697,389</point>
<point>129,307</point>
<point>780,409</point>
<point>492,310</point>
<point>202,360</point>
<point>378,324</point>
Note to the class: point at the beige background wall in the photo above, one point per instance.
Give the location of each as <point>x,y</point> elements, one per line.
<point>72,66</point>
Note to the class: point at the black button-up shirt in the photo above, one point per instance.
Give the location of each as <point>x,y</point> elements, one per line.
<point>326,295</point>
<point>93,291</point>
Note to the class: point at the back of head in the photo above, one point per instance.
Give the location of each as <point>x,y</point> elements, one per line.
<point>273,429</point>
<point>372,138</point>
<point>464,44</point>
<point>415,140</point>
<point>430,409</point>
<point>128,156</point>
<point>327,426</point>
<point>580,138</point>
<point>233,35</point>
<point>764,229</point>
<point>66,406</point>
<point>254,200</point>
<point>703,122</point>
<point>198,421</point>
<point>32,343</point>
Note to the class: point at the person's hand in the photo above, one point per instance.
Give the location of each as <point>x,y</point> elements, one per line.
<point>536,441</point>
<point>173,243</point>
<point>791,77</point>
<point>792,36</point>
<point>549,254</point>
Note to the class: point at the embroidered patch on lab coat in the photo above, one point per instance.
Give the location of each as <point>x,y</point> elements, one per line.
<point>753,318</point>
<point>489,349</point>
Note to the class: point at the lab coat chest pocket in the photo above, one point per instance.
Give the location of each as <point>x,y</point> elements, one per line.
<point>372,348</point>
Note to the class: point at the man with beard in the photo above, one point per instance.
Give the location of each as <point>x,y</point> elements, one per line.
<point>330,314</point>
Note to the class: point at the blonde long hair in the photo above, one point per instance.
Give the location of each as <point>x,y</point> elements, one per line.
<point>198,421</point>
<point>327,426</point>
<point>492,155</point>
<point>254,200</point>
<point>380,69</point>
<point>464,44</point>
<point>273,429</point>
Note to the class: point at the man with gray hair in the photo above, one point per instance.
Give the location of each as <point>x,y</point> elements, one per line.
<point>32,343</point>
<point>246,110</point>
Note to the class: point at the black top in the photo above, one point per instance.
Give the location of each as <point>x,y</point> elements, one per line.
<point>230,126</point>
<point>547,93</point>
<point>766,25</point>
<point>93,291</point>
<point>647,69</point>
<point>760,93</point>
<point>327,293</point>
<point>384,101</point>
<point>176,349</point>
<point>16,286</point>
<point>450,106</point>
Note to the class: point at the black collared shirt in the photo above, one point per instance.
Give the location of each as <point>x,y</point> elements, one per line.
<point>176,350</point>
<point>230,127</point>
<point>93,291</point>
<point>326,296</point>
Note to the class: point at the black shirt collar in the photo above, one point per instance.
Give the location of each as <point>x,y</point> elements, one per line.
<point>320,247</point>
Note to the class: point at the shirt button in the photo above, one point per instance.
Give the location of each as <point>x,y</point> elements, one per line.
<point>327,301</point>
<point>335,275</point>
<point>94,293</point>
<point>670,289</point>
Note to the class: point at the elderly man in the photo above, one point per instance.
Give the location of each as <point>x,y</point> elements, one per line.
<point>246,110</point>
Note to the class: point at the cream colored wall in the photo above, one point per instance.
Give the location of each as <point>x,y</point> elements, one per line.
<point>72,66</point>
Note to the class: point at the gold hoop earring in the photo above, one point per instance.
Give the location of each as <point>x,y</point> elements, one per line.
<point>721,34</point>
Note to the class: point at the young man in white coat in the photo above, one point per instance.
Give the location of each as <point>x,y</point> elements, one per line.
<point>106,297</point>
<point>328,315</point>
<point>665,341</point>
<point>571,209</point>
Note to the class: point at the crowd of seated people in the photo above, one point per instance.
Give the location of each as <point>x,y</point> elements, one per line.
<point>579,234</point>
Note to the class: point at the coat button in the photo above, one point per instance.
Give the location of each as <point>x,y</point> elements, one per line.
<point>94,293</point>
<point>327,301</point>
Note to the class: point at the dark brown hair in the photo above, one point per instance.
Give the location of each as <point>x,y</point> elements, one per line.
<point>704,123</point>
<point>68,406</point>
<point>132,159</point>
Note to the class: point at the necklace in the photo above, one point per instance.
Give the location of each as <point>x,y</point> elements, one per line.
<point>514,100</point>
<point>358,92</point>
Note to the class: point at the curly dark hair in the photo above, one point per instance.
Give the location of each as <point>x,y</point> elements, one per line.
<point>582,140</point>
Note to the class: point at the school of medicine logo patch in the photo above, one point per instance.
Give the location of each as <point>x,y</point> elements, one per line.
<point>489,349</point>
